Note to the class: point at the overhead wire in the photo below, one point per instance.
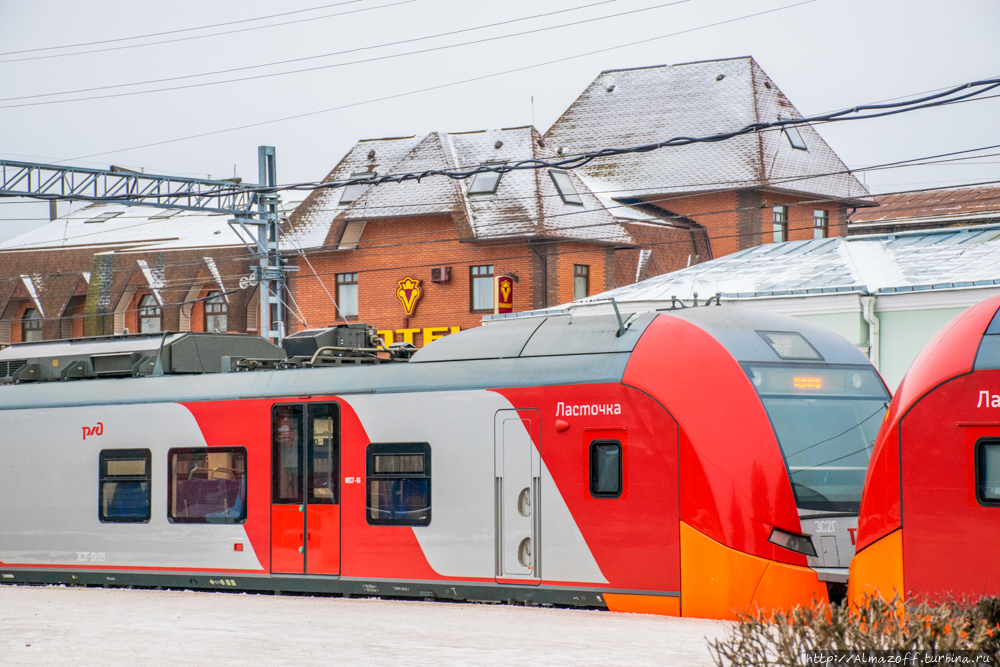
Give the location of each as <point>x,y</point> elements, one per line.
<point>180,30</point>
<point>440,86</point>
<point>323,67</point>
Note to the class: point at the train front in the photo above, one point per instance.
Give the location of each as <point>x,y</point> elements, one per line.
<point>777,421</point>
<point>931,504</point>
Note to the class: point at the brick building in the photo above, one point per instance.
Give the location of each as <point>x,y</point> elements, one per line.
<point>111,269</point>
<point>730,195</point>
<point>358,246</point>
<point>928,209</point>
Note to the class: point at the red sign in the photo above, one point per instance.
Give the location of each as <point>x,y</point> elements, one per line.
<point>505,294</point>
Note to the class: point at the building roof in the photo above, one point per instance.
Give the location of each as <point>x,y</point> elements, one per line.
<point>129,228</point>
<point>945,206</point>
<point>526,203</point>
<point>647,105</point>
<point>910,262</point>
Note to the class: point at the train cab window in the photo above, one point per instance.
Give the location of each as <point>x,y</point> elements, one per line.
<point>207,485</point>
<point>124,485</point>
<point>605,468</point>
<point>399,484</point>
<point>988,472</point>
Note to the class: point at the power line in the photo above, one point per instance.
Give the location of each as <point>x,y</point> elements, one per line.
<point>440,86</point>
<point>174,32</point>
<point>323,67</point>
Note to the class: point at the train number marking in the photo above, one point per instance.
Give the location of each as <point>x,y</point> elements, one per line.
<point>853,532</point>
<point>826,526</point>
<point>370,588</point>
<point>93,430</point>
<point>564,410</point>
<point>352,480</point>
<point>91,556</point>
<point>990,402</point>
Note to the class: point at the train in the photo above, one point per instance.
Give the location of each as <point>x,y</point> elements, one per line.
<point>696,462</point>
<point>931,501</point>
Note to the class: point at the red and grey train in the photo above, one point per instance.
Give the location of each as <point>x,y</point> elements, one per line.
<point>931,504</point>
<point>676,463</point>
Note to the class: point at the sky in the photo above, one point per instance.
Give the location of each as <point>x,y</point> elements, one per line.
<point>528,63</point>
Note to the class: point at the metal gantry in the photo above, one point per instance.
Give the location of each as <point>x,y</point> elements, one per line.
<point>245,201</point>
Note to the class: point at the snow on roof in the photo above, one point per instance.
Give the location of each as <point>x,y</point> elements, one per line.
<point>526,203</point>
<point>944,205</point>
<point>129,228</point>
<point>941,259</point>
<point>647,105</point>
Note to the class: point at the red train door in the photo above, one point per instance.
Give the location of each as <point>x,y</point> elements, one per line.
<point>518,496</point>
<point>305,495</point>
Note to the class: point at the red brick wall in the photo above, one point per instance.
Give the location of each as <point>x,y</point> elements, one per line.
<point>393,249</point>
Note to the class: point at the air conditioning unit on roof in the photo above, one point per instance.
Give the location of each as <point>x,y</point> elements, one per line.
<point>440,274</point>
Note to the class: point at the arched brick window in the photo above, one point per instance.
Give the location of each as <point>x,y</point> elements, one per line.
<point>150,315</point>
<point>31,326</point>
<point>216,312</point>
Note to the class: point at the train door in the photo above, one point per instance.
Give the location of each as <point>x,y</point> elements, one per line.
<point>517,466</point>
<point>305,500</point>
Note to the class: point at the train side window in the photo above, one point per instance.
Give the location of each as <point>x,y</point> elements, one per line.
<point>988,472</point>
<point>398,484</point>
<point>605,468</point>
<point>124,494</point>
<point>207,485</point>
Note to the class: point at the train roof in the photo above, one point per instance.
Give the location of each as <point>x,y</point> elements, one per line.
<point>561,349</point>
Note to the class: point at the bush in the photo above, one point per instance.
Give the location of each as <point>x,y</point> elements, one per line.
<point>787,638</point>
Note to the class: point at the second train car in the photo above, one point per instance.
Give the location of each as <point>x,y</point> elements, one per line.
<point>697,462</point>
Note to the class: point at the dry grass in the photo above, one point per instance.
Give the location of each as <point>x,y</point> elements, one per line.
<point>786,638</point>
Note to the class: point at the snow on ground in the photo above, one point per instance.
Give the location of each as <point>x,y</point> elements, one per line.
<point>93,626</point>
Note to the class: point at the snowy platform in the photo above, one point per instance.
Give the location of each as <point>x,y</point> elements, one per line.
<point>87,626</point>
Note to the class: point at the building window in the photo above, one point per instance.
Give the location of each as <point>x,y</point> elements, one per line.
<point>988,472</point>
<point>150,314</point>
<point>792,133</point>
<point>207,485</point>
<point>347,294</point>
<point>486,183</point>
<point>605,468</point>
<point>564,184</point>
<point>352,192</point>
<point>581,281</point>
<point>124,489</point>
<point>821,224</point>
<point>481,294</point>
<point>399,484</point>
<point>780,224</point>
<point>215,313</point>
<point>31,326</point>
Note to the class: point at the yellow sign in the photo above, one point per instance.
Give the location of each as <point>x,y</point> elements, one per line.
<point>430,334</point>
<point>408,294</point>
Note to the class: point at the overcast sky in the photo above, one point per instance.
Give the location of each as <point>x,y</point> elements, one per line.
<point>823,54</point>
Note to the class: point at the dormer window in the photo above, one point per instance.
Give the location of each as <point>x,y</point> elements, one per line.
<point>564,184</point>
<point>794,138</point>
<point>486,182</point>
<point>352,192</point>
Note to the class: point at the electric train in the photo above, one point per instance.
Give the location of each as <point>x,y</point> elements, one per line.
<point>931,504</point>
<point>695,462</point>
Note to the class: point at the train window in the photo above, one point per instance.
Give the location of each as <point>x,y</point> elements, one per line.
<point>988,472</point>
<point>399,484</point>
<point>605,468</point>
<point>286,430</point>
<point>207,485</point>
<point>124,485</point>
<point>790,345</point>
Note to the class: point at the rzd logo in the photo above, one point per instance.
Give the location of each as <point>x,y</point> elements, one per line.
<point>93,430</point>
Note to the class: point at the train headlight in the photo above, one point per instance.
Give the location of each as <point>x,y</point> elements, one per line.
<point>801,544</point>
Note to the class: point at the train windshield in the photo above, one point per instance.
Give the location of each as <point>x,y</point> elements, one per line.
<point>826,419</point>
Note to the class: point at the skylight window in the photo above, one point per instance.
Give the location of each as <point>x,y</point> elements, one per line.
<point>564,184</point>
<point>790,345</point>
<point>104,216</point>
<point>163,215</point>
<point>794,138</point>
<point>352,192</point>
<point>486,183</point>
